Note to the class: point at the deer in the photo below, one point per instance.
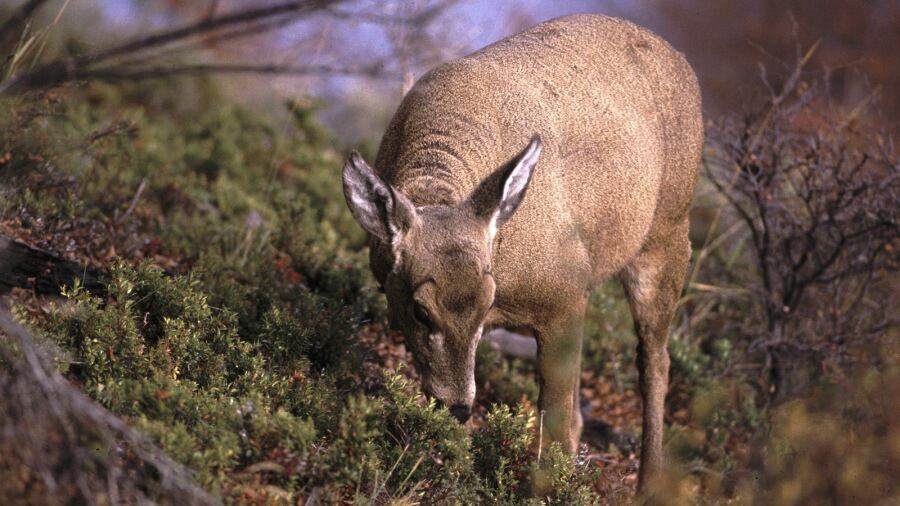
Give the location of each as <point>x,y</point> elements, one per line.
<point>511,182</point>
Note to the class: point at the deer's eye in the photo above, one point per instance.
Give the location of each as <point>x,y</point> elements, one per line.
<point>421,315</point>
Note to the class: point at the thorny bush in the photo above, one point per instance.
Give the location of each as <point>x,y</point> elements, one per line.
<point>816,188</point>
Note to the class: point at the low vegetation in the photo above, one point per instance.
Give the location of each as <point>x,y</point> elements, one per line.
<point>227,331</point>
<point>240,331</point>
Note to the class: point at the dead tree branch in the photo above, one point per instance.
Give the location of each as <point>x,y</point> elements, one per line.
<point>817,194</point>
<point>12,27</point>
<point>70,449</point>
<point>26,267</point>
<point>109,61</point>
<point>374,70</point>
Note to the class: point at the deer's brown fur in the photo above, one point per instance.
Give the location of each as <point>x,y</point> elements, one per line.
<point>460,247</point>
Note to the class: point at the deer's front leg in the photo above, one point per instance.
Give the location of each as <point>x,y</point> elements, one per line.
<point>559,370</point>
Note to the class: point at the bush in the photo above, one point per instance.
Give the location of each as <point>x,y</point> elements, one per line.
<point>815,190</point>
<point>155,352</point>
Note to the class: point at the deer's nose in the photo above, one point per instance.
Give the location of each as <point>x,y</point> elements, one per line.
<point>461,412</point>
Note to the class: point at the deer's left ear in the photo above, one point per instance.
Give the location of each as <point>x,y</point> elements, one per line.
<point>499,195</point>
<point>379,208</point>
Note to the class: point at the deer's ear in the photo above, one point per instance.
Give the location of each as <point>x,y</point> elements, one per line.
<point>380,209</point>
<point>499,195</point>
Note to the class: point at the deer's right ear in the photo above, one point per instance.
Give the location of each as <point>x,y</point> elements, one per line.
<point>498,196</point>
<point>380,209</point>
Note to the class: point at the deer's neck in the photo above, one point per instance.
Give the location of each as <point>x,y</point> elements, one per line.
<point>441,167</point>
<point>433,182</point>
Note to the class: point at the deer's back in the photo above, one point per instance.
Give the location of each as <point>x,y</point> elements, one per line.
<point>618,111</point>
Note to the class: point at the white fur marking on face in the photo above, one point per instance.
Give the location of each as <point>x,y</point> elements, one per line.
<point>475,340</point>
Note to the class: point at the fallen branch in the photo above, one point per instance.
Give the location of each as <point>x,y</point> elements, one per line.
<point>63,447</point>
<point>134,201</point>
<point>23,266</point>
<point>512,344</point>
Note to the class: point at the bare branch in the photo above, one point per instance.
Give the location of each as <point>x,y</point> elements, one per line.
<point>84,66</point>
<point>817,195</point>
<point>295,8</point>
<point>375,70</point>
<point>13,26</point>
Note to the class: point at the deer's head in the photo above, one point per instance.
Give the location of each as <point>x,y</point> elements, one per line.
<point>436,266</point>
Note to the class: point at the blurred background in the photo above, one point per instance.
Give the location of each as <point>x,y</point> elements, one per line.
<point>374,50</point>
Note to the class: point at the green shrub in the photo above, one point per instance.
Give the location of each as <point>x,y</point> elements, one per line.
<point>157,353</point>
<point>609,340</point>
<point>397,444</point>
<point>505,380</point>
<point>505,460</point>
<point>502,453</point>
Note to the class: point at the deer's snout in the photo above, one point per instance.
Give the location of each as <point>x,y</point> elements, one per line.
<point>461,412</point>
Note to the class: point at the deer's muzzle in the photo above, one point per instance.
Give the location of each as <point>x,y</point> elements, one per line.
<point>461,412</point>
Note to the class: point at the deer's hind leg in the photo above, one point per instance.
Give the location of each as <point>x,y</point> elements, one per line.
<point>653,283</point>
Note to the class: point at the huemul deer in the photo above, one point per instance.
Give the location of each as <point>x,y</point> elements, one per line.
<point>613,117</point>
